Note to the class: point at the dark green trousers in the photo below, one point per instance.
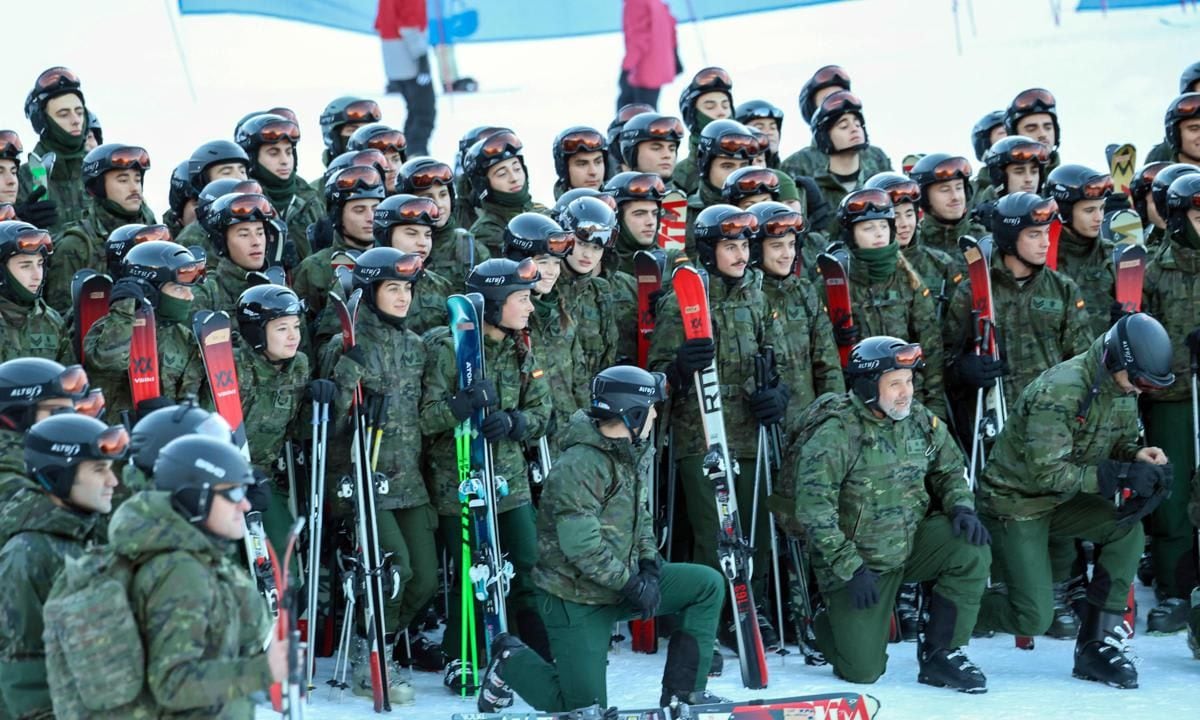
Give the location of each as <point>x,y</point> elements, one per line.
<point>409,535</point>
<point>580,634</point>
<point>277,521</point>
<point>1169,426</point>
<point>1024,605</point>
<point>855,641</point>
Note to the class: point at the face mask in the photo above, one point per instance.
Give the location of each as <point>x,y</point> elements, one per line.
<point>879,262</point>
<point>174,310</point>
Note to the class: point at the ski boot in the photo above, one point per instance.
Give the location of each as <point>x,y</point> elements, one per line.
<point>770,638</point>
<point>419,652</point>
<point>1145,569</point>
<point>718,661</point>
<point>940,664</point>
<point>1065,625</point>
<point>1100,650</point>
<point>679,674</point>
<point>908,611</point>
<point>494,693</point>
<point>400,692</point>
<point>1169,617</point>
<point>457,678</point>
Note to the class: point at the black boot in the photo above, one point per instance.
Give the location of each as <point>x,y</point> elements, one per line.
<point>1065,624</point>
<point>679,674</point>
<point>942,665</point>
<point>908,611</point>
<point>459,679</point>
<point>718,661</point>
<point>1170,616</point>
<point>1100,650</point>
<point>494,693</point>
<point>770,638</point>
<point>419,652</point>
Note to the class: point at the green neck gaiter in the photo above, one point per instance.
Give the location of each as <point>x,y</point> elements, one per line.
<point>65,145</point>
<point>880,262</point>
<point>120,215</point>
<point>173,310</point>
<point>16,292</point>
<point>1189,238</point>
<point>702,121</point>
<point>279,191</point>
<point>519,199</point>
<point>1073,244</point>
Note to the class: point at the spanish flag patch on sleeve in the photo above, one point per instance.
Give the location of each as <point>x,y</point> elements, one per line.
<point>538,373</point>
<point>1079,304</point>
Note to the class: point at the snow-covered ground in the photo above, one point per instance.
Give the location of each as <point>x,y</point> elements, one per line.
<point>1113,77</point>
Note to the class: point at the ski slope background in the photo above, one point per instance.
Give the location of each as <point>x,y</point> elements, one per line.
<point>1113,77</point>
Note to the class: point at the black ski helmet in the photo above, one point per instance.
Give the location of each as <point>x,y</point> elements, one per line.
<point>235,209</point>
<point>900,188</point>
<point>832,108</point>
<point>1015,212</point>
<point>111,156</point>
<point>214,152</point>
<point>719,222</point>
<point>775,220</point>
<point>873,357</point>
<point>488,151</point>
<point>370,157</point>
<point>384,138</point>
<point>624,114</point>
<point>341,111</point>
<point>1184,107</point>
<point>51,83</point>
<point>1162,182</point>
<point>626,393</point>
<point>157,428</point>
<point>574,140</point>
<point>1189,77</point>
<point>265,129</point>
<point>750,180</point>
<point>402,209</point>
<point>724,138</point>
<point>1032,102</point>
<point>758,110</point>
<point>1011,150</point>
<point>468,139</point>
<point>220,188</point>
<point>632,185</point>
<point>57,445</point>
<point>352,183</point>
<point>558,211</point>
<point>1141,184</point>
<point>10,146</point>
<point>498,278</point>
<point>383,264</point>
<point>27,381</point>
<point>862,205</point>
<point>261,304</point>
<point>21,238</point>
<point>159,262</point>
<point>182,190</point>
<point>709,79</point>
<point>423,173</point>
<point>1138,344</point>
<point>590,220</point>
<point>824,77</point>
<point>941,167</point>
<point>531,235</point>
<point>190,466</point>
<point>647,127</point>
<point>1069,184</point>
<point>93,126</point>
<point>119,241</point>
<point>981,134</point>
<point>1183,195</point>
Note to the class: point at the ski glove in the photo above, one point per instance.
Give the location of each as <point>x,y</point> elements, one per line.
<point>133,288</point>
<point>1141,479</point>
<point>769,404</point>
<point>818,212</point>
<point>650,566</point>
<point>290,256</point>
<point>356,354</point>
<point>964,521</point>
<point>481,394</point>
<point>322,390</point>
<point>980,371</point>
<point>502,424</point>
<point>259,494</point>
<point>38,210</point>
<point>846,334</point>
<point>864,588</point>
<point>691,357</point>
<point>643,593</point>
<point>1193,342</point>
<point>1135,508</point>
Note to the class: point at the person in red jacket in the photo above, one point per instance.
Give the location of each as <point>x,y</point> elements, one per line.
<point>651,56</point>
<point>403,33</point>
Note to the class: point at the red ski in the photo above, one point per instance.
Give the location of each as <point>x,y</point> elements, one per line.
<point>144,383</point>
<point>672,227</point>
<point>837,296</point>
<point>990,410</point>
<point>89,299</point>
<point>733,552</point>
<point>1129,265</point>
<point>1052,251</point>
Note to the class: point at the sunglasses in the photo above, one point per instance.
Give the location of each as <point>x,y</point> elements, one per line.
<point>1098,188</point>
<point>781,225</point>
<point>7,212</point>
<point>363,111</point>
<point>713,77</point>
<point>582,141</point>
<point>502,143</point>
<point>1025,152</point>
<point>34,240</point>
<point>357,176</point>
<point>831,74</point>
<point>10,143</point>
<point>739,227</point>
<point>905,192</point>
<point>252,206</point>
<point>234,494</point>
<point>91,404</point>
<point>388,141</point>
<point>1034,99</point>
<point>908,357</point>
<point>1044,213</point>
<point>57,77</point>
<point>865,200</point>
<point>130,157</point>
<point>430,175</point>
<point>278,130</point>
<point>758,181</point>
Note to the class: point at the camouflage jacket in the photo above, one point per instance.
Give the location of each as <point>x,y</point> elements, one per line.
<point>816,369</point>
<point>743,323</point>
<point>491,221</point>
<point>902,306</point>
<point>64,185</point>
<point>303,209</point>
<point>173,222</point>
<point>36,535</point>
<point>272,397</point>
<point>396,362</point>
<point>860,502</point>
<point>594,521</point>
<point>209,621</point>
<point>522,385</point>
<point>221,288</point>
<point>314,277</point>
<point>590,301</point>
<point>427,310</point>
<point>1039,324</point>
<point>455,251</point>
<point>32,331</point>
<point>623,295</point>
<point>940,271</point>
<point>1089,264</point>
<point>82,246</point>
<point>686,177</point>
<point>1172,295</point>
<point>811,162</point>
<point>935,234</point>
<point>106,347</point>
<point>12,463</point>
<point>810,245</point>
<point>554,335</point>
<point>1046,455</point>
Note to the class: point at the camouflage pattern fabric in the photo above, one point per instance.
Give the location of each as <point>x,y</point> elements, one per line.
<point>80,246</point>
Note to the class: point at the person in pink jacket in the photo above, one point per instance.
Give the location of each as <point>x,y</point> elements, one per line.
<point>651,56</point>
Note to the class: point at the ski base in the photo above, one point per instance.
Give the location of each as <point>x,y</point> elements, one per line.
<point>831,706</point>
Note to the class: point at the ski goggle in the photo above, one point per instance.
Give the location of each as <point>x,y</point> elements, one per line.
<point>831,75</point>
<point>234,493</point>
<point>741,226</point>
<point>421,210</point>
<point>631,110</point>
<point>10,144</point>
<point>757,182</point>
<point>72,382</point>
<point>739,146</point>
<point>283,112</point>
<point>840,102</point>
<point>57,77</point>
<point>190,274</point>
<point>712,78</point>
<point>359,176</point>
<point>559,244</point>
<point>409,265</point>
<point>908,357</point>
<point>1096,188</point>
<point>430,175</point>
<point>370,158</point>
<point>595,234</point>
<point>91,404</point>
<point>150,232</point>
<point>7,212</point>
<point>277,130</point>
<point>670,128</point>
<point>1186,106</point>
<point>646,185</point>
<point>251,207</point>
<point>130,156</point>
<point>527,271</point>
<point>951,169</point>
<point>502,143</point>
<point>31,241</point>
<point>1025,152</point>
<point>1044,213</point>
<point>363,111</point>
<point>905,192</point>
<point>248,186</point>
<point>582,141</point>
<point>113,442</point>
<point>781,225</point>
<point>868,200</point>
<point>1033,99</point>
<point>388,141</point>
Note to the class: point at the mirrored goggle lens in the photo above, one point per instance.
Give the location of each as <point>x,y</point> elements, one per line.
<point>907,192</point>
<point>31,240</point>
<point>113,442</point>
<point>248,187</point>
<point>363,111</point>
<point>278,130</point>
<point>629,111</point>
<point>421,209</point>
<point>7,212</point>
<point>864,200</point>
<point>1044,213</point>
<point>283,112</point>
<point>501,143</point>
<point>251,206</point>
<point>527,271</point>
<point>388,141</point>
<point>646,185</point>
<point>1098,188</point>
<point>234,494</point>
<point>130,157</point>
<point>1188,106</point>
<point>409,265</point>
<point>10,143</point>
<point>759,181</point>
<point>57,77</point>
<point>713,77</point>
<point>909,356</point>
<point>152,232</point>
<point>744,146</point>
<point>1034,98</point>
<point>841,101</point>
<point>781,225</point>
<point>92,404</point>
<point>739,226</point>
<point>430,175</point>
<point>73,381</point>
<point>1029,151</point>
<point>370,158</point>
<point>831,74</point>
<point>951,168</point>
<point>357,176</point>
<point>582,141</point>
<point>595,234</point>
<point>190,274</point>
<point>560,243</point>
<point>666,127</point>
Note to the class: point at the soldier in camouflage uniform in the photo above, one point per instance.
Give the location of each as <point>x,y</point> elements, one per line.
<point>988,131</point>
<point>245,232</point>
<point>945,183</point>
<point>598,563</point>
<point>31,390</point>
<point>1181,143</point>
<point>1013,164</point>
<point>194,233</point>
<point>181,201</point>
<point>455,250</point>
<point>466,211</point>
<point>1171,291</point>
<point>1034,114</point>
<point>882,495</point>
<point>387,140</point>
<point>886,293</point>
<point>163,275</point>
<point>601,307</point>
<point>270,142</point>
<point>339,120</point>
<point>28,326</point>
<point>69,458</point>
<point>1156,236</point>
<point>217,159</point>
<point>707,98</point>
<point>639,206</point>
<point>499,186</point>
<point>517,394</point>
<point>56,109</point>
<point>649,143</point>
<point>724,147</point>
<point>743,325</point>
<point>1083,255</point>
<point>388,361</point>
<point>580,159</point>
<point>408,223</point>
<point>1069,447</point>
<point>112,175</point>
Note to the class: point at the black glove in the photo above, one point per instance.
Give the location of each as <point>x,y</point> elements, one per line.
<point>982,213</point>
<point>964,521</point>
<point>497,425</point>
<point>650,566</point>
<point>36,211</point>
<point>643,593</point>
<point>322,390</point>
<point>980,371</point>
<point>290,257</point>
<point>135,288</point>
<point>259,494</point>
<point>149,405</point>
<point>1193,342</point>
<point>769,404</point>
<point>814,202</point>
<point>319,234</point>
<point>520,425</point>
<point>694,355</point>
<point>846,334</point>
<point>481,394</point>
<point>356,354</point>
<point>1140,478</point>
<point>864,588</point>
<point>653,299</point>
<point>1135,508</point>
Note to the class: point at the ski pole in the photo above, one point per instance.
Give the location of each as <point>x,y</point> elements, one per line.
<point>315,497</point>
